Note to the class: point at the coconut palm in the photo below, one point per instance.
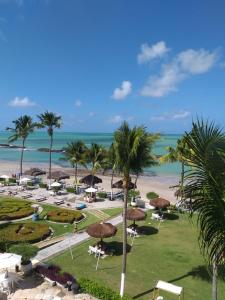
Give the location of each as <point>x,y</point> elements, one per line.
<point>205,179</point>
<point>51,121</point>
<point>96,157</point>
<point>74,153</point>
<point>110,164</point>
<point>177,154</point>
<point>128,143</point>
<point>23,126</point>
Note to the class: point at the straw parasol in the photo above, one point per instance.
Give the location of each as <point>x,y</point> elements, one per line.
<point>160,203</point>
<point>59,175</point>
<point>101,230</point>
<point>34,172</point>
<point>90,180</point>
<point>135,214</point>
<point>119,185</point>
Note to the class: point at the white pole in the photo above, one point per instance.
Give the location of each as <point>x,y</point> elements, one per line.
<point>122,284</point>
<point>71,252</point>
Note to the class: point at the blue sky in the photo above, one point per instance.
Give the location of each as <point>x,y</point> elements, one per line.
<point>98,62</point>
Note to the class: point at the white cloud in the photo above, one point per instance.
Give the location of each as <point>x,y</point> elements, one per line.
<point>21,102</point>
<point>119,119</point>
<point>78,103</point>
<point>182,114</point>
<point>149,53</point>
<point>184,65</point>
<point>123,91</point>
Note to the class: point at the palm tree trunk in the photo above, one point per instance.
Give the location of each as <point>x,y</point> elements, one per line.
<point>182,181</point>
<point>112,184</point>
<point>214,281</point>
<point>124,260</point>
<point>135,183</point>
<point>76,177</point>
<point>21,158</point>
<point>50,160</point>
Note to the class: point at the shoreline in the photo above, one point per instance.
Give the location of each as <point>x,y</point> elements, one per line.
<point>146,183</point>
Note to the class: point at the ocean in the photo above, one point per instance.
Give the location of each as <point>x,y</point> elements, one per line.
<point>40,139</point>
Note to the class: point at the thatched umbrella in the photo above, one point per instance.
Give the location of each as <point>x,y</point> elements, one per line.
<point>101,230</point>
<point>90,180</point>
<point>160,203</point>
<point>59,175</point>
<point>135,214</point>
<point>34,172</point>
<point>119,185</point>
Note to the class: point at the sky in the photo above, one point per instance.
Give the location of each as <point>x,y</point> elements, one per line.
<point>99,62</point>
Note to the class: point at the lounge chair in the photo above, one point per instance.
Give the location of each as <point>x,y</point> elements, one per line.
<point>95,251</point>
<point>156,217</point>
<point>40,198</point>
<point>132,232</point>
<point>26,196</point>
<point>59,202</point>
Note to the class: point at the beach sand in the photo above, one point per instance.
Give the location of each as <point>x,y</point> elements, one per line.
<point>159,184</point>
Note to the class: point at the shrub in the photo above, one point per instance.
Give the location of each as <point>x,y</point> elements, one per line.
<point>71,190</point>
<point>133,194</point>
<point>30,183</point>
<point>64,215</point>
<point>11,180</point>
<point>11,209</point>
<point>43,185</point>
<point>152,195</point>
<point>102,195</point>
<point>24,232</point>
<point>99,291</point>
<point>27,251</point>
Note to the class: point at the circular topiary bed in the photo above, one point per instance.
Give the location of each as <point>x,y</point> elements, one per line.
<point>65,216</point>
<point>24,232</point>
<point>12,209</point>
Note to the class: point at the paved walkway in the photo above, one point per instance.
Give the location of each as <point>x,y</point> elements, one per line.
<point>70,241</point>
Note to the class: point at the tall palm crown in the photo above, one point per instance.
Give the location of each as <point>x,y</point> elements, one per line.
<point>75,153</point>
<point>23,126</point>
<point>205,179</point>
<point>96,156</point>
<point>51,121</point>
<point>132,146</point>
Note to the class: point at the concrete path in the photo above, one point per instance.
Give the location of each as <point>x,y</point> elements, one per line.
<point>70,241</point>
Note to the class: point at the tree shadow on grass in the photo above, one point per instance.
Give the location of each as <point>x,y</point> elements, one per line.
<point>116,248</point>
<point>170,216</point>
<point>147,230</point>
<point>200,272</point>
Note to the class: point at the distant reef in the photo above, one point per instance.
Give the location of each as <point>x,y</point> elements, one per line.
<point>39,149</point>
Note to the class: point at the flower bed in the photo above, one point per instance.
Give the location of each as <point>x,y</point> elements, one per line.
<point>12,209</point>
<point>24,232</point>
<point>64,216</point>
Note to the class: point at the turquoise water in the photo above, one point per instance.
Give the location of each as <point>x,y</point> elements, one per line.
<point>41,140</point>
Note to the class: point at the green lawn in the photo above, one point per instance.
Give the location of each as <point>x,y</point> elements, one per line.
<point>172,254</point>
<point>112,212</point>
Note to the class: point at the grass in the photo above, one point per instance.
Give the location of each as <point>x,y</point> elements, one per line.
<point>172,254</point>
<point>112,212</point>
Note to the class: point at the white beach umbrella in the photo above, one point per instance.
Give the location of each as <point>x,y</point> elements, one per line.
<point>56,184</point>
<point>24,180</point>
<point>4,177</point>
<point>9,260</point>
<point>91,190</point>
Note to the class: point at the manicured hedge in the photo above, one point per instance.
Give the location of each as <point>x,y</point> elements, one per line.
<point>43,185</point>
<point>64,216</point>
<point>152,195</point>
<point>71,190</point>
<point>24,232</point>
<point>102,195</point>
<point>100,291</point>
<point>11,209</point>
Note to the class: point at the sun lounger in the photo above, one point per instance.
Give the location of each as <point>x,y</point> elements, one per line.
<point>59,202</point>
<point>156,217</point>
<point>131,232</point>
<point>2,191</point>
<point>26,196</point>
<point>40,198</point>
<point>95,251</point>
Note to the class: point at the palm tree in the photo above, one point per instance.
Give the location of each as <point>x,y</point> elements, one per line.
<point>128,143</point>
<point>177,154</point>
<point>23,126</point>
<point>51,121</point>
<point>110,164</point>
<point>205,179</point>
<point>96,156</point>
<point>74,153</point>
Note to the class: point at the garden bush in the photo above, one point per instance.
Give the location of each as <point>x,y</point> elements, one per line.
<point>64,216</point>
<point>102,195</point>
<point>30,183</point>
<point>99,291</point>
<point>27,251</point>
<point>152,195</point>
<point>43,185</point>
<point>24,232</point>
<point>11,209</point>
<point>11,180</point>
<point>71,190</point>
